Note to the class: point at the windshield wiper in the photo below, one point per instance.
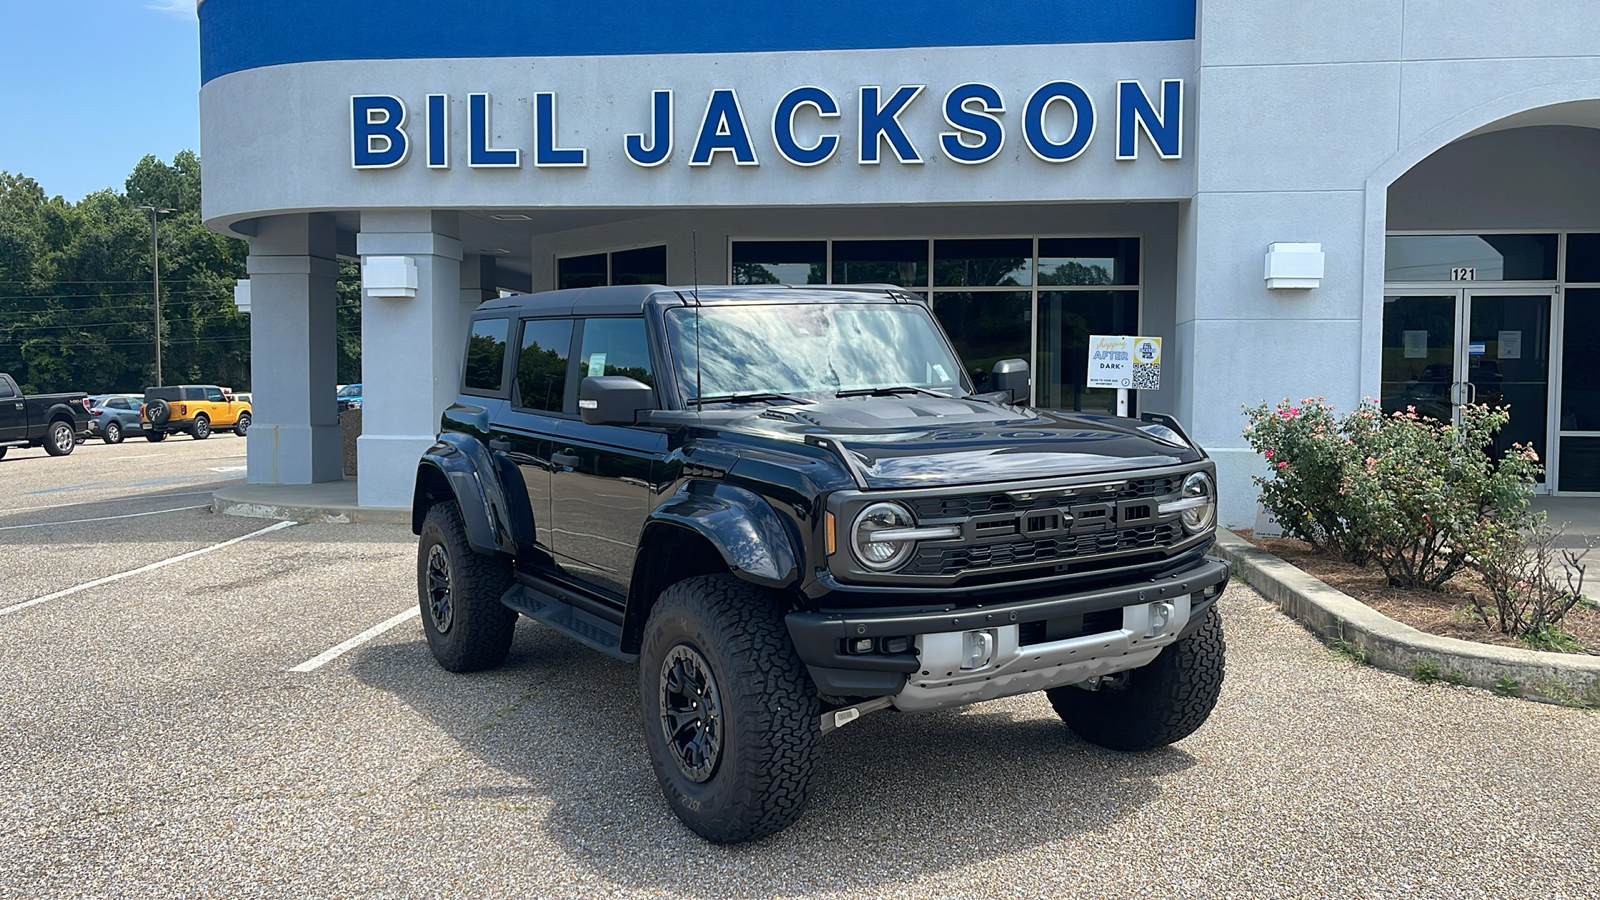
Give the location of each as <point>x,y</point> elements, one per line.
<point>890,390</point>
<point>749,397</point>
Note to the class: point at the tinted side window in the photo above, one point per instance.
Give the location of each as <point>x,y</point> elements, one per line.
<point>542,364</point>
<point>117,403</point>
<point>164,393</point>
<point>5,389</point>
<point>615,347</point>
<point>213,395</point>
<point>194,393</point>
<point>486,355</point>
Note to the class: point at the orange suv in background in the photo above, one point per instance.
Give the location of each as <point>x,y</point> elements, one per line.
<point>194,409</point>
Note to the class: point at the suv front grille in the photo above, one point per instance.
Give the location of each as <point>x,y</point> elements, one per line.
<point>931,560</point>
<point>969,505</point>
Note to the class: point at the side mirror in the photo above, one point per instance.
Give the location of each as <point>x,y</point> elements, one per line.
<point>614,400</point>
<point>1010,375</point>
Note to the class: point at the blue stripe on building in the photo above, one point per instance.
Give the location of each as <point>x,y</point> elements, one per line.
<point>246,34</point>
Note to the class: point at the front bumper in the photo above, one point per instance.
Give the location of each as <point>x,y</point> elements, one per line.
<point>1155,613</point>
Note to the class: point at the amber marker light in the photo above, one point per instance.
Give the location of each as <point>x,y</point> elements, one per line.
<point>828,528</point>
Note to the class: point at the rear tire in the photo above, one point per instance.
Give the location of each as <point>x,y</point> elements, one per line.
<point>1157,704</point>
<point>60,440</point>
<point>155,437</point>
<point>730,715</point>
<point>112,434</point>
<point>3,452</point>
<point>202,427</point>
<point>459,590</point>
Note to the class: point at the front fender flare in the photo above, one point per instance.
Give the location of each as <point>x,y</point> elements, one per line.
<point>755,542</point>
<point>472,475</point>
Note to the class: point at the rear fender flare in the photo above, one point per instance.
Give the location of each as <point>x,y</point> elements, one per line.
<point>472,476</point>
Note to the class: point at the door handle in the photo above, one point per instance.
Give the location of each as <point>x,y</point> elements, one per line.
<point>498,444</point>
<point>569,460</point>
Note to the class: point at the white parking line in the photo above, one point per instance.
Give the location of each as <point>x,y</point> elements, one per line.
<point>332,653</point>
<point>103,518</point>
<point>140,456</point>
<point>4,611</point>
<point>153,496</point>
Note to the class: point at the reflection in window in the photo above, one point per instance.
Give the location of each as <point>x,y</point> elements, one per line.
<point>780,262</point>
<point>1491,257</point>
<point>1073,261</point>
<point>1580,366</point>
<point>986,327</point>
<point>1066,320</point>
<point>542,365</point>
<point>581,271</point>
<point>983,263</point>
<point>1419,351</point>
<point>646,265</point>
<point>615,347</point>
<point>486,355</point>
<point>903,263</point>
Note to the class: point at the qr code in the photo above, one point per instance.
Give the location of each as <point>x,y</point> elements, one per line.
<point>1146,377</point>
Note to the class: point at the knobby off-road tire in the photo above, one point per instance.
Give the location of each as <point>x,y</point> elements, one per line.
<point>459,589</point>
<point>760,709</point>
<point>112,434</point>
<point>1158,704</point>
<point>59,440</point>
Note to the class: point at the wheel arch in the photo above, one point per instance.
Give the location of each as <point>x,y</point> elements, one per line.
<point>458,468</point>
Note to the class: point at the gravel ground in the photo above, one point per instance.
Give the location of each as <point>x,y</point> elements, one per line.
<point>158,745</point>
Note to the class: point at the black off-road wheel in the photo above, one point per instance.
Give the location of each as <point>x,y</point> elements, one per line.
<point>202,427</point>
<point>730,715</point>
<point>1155,705</point>
<point>112,433</point>
<point>242,426</point>
<point>60,440</point>
<point>468,628</point>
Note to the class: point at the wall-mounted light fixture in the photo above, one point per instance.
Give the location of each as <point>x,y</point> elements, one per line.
<point>241,294</point>
<point>1294,266</point>
<point>389,277</point>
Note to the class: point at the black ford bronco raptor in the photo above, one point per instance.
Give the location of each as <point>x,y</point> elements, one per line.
<point>791,508</point>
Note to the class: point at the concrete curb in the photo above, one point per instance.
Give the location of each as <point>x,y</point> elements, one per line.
<point>1347,623</point>
<point>258,508</point>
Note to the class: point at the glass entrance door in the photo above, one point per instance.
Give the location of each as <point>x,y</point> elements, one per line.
<point>1505,361</point>
<point>1445,348</point>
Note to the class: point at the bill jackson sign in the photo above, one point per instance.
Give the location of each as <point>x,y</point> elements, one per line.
<point>382,131</point>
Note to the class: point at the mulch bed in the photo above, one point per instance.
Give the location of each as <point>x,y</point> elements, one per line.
<point>1447,612</point>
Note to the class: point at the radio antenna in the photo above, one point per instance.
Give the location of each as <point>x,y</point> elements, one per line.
<point>694,245</point>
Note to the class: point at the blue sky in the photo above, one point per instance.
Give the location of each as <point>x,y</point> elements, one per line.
<point>93,85</point>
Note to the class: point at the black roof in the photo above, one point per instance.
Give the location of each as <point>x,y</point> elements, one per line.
<point>624,299</point>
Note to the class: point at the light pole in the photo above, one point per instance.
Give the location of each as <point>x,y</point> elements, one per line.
<point>155,274</point>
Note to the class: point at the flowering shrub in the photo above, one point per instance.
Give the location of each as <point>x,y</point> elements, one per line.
<point>1414,495</point>
<point>1533,580</point>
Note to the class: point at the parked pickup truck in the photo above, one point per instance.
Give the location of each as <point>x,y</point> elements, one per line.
<point>53,421</point>
<point>791,508</point>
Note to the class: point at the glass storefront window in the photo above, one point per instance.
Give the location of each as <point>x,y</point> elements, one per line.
<point>1583,257</point>
<point>780,262</point>
<point>581,271</point>
<point>1064,261</point>
<point>983,263</point>
<point>985,327</point>
<point>646,265</point>
<point>903,263</point>
<point>1580,464</point>
<point>1066,320</point>
<point>1419,351</point>
<point>1580,365</point>
<point>1470,257</point>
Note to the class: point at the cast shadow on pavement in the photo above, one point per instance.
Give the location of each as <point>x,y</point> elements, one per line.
<point>897,796</point>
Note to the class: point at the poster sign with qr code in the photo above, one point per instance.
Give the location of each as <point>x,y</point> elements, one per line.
<point>1124,361</point>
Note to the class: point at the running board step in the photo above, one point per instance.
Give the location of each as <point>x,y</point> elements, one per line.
<point>577,624</point>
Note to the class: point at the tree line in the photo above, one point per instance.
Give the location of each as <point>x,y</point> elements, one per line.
<point>77,311</point>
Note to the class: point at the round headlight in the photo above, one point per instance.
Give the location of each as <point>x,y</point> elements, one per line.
<point>880,556</point>
<point>1198,486</point>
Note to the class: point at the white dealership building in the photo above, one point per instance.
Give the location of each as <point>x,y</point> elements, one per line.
<point>1397,199</point>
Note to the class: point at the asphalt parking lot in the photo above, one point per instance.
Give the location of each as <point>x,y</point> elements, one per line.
<point>158,741</point>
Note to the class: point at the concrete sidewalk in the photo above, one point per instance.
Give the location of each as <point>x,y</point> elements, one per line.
<point>333,501</point>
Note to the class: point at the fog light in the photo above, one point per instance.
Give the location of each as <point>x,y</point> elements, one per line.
<point>896,644</point>
<point>861,645</point>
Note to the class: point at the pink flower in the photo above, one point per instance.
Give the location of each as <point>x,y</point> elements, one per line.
<point>1269,454</point>
<point>1531,454</point>
<point>1283,465</point>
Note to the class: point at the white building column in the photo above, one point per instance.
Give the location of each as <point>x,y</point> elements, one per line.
<point>410,350</point>
<point>294,438</point>
<point>477,285</point>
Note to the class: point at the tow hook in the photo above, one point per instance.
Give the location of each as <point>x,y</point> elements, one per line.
<point>831,721</point>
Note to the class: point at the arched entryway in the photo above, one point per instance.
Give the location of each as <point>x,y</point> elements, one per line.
<point>1490,283</point>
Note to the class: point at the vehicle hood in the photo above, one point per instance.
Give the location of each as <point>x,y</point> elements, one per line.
<point>922,441</point>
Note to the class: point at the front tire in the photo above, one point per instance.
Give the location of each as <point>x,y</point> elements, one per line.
<point>730,715</point>
<point>202,427</point>
<point>60,440</point>
<point>112,434</point>
<point>1154,705</point>
<point>459,590</point>
<point>243,425</point>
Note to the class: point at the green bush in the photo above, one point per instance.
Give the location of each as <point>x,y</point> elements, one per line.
<point>1413,495</point>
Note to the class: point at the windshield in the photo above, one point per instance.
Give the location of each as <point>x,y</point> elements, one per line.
<point>349,390</point>
<point>815,349</point>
